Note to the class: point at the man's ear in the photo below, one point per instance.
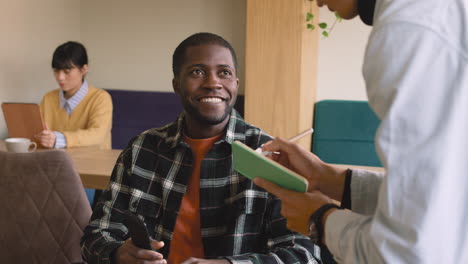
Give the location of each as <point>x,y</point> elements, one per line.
<point>175,85</point>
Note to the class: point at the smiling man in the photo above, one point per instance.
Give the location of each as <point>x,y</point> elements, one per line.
<point>179,179</point>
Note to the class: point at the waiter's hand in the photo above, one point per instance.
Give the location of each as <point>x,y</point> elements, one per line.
<point>205,261</point>
<point>296,158</point>
<point>128,253</point>
<point>46,137</point>
<point>296,207</point>
<point>320,175</point>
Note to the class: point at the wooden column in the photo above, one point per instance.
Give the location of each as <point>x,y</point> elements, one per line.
<point>281,62</point>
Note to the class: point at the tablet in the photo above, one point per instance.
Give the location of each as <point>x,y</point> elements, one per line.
<point>22,119</point>
<point>252,164</point>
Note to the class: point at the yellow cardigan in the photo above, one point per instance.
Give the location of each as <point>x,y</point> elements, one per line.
<point>90,122</point>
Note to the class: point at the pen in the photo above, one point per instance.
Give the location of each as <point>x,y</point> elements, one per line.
<point>295,138</point>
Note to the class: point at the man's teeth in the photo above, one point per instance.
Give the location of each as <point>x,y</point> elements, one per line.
<point>211,100</point>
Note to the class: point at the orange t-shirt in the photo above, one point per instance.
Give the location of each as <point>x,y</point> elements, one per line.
<point>186,240</point>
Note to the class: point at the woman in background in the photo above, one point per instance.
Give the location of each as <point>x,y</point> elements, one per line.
<point>77,114</point>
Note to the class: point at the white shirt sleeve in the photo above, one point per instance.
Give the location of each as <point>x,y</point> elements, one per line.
<point>60,140</point>
<point>417,83</point>
<point>365,190</point>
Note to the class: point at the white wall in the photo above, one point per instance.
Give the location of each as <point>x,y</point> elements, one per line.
<point>340,59</point>
<point>30,31</point>
<point>130,44</point>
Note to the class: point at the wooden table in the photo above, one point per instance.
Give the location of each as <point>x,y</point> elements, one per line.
<point>94,165</point>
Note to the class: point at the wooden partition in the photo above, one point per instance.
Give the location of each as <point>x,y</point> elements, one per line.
<point>281,62</point>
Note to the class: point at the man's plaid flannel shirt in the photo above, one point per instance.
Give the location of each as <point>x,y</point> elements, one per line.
<point>239,221</point>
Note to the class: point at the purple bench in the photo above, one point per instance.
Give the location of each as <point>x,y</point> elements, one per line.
<point>137,111</point>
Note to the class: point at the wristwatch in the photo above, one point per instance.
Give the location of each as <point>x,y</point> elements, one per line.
<point>315,226</point>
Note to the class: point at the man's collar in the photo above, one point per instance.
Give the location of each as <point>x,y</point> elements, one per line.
<point>235,130</point>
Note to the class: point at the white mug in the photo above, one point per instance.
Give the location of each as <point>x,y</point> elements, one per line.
<point>20,145</point>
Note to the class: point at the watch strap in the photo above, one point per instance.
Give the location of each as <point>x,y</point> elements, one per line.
<point>316,229</point>
<point>346,199</point>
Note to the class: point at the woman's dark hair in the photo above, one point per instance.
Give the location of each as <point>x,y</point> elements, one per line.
<point>69,54</point>
<point>198,39</point>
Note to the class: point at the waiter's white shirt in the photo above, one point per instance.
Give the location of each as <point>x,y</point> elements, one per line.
<point>416,73</point>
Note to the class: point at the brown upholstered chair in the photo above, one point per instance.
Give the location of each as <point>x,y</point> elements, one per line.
<point>43,208</point>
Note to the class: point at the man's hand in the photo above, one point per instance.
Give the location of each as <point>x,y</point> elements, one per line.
<point>205,261</point>
<point>46,137</point>
<point>321,176</point>
<point>128,253</point>
<point>296,207</point>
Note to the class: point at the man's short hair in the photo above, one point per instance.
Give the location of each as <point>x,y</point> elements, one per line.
<point>69,54</point>
<point>198,39</point>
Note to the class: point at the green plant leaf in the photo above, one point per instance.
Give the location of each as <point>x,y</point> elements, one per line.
<point>310,26</point>
<point>325,34</point>
<point>338,17</point>
<point>309,16</point>
<point>322,25</point>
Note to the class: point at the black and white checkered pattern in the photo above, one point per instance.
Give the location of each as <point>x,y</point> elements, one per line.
<point>239,221</point>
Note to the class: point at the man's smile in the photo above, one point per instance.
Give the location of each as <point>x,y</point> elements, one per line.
<point>211,99</point>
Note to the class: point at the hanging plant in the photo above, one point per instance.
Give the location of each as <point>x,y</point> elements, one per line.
<point>322,25</point>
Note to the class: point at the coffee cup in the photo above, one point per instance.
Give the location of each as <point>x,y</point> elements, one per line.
<point>20,145</point>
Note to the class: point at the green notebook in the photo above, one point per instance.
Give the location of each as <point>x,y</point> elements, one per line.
<point>252,164</point>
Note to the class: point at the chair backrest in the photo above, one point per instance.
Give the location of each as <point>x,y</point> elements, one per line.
<point>44,208</point>
<point>137,111</point>
<point>344,132</point>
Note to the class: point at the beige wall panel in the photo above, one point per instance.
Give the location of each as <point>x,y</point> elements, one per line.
<point>31,30</point>
<point>340,59</point>
<point>130,43</point>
